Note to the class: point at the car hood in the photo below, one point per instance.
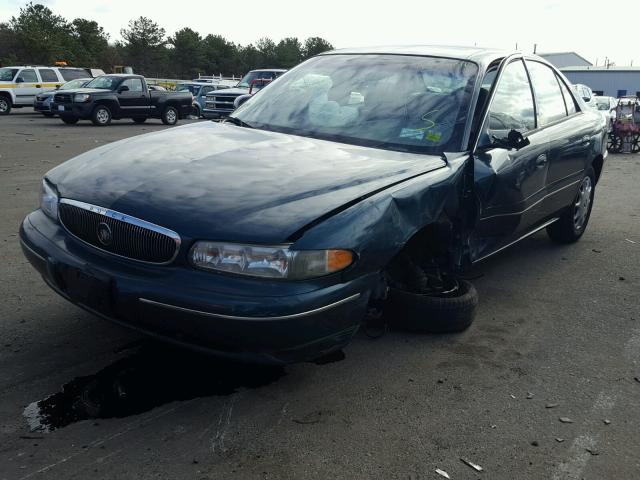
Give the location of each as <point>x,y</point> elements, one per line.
<point>224,182</point>
<point>84,90</point>
<point>228,91</point>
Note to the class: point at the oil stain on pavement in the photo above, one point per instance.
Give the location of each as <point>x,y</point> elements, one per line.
<point>152,376</point>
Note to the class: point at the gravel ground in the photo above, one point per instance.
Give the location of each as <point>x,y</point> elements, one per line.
<point>557,334</point>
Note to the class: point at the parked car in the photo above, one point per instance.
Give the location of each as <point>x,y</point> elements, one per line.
<point>607,106</point>
<point>199,90</point>
<point>220,104</point>
<point>20,85</point>
<point>120,96</point>
<point>587,95</point>
<point>362,179</point>
<point>42,102</point>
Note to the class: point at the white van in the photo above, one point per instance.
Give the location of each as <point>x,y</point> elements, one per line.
<point>20,85</point>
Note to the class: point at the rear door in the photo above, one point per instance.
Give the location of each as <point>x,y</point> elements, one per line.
<point>134,101</point>
<point>49,79</point>
<point>509,183</point>
<point>568,133</point>
<point>27,86</point>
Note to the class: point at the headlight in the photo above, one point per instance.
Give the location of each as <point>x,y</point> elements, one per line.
<point>81,97</point>
<point>268,261</point>
<point>49,200</point>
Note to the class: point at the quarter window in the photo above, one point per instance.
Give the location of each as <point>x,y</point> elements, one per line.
<point>28,76</point>
<point>569,101</point>
<point>549,98</point>
<point>73,73</point>
<point>512,106</point>
<point>47,75</point>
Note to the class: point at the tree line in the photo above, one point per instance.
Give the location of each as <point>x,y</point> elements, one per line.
<point>37,36</point>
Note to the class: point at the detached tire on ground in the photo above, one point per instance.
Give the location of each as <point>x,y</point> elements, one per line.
<point>101,116</point>
<point>417,312</point>
<point>169,115</point>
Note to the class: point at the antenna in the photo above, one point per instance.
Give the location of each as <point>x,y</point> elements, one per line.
<point>535,47</point>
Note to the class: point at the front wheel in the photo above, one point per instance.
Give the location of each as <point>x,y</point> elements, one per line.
<point>101,116</point>
<point>573,221</point>
<point>169,116</point>
<point>69,120</point>
<point>5,106</point>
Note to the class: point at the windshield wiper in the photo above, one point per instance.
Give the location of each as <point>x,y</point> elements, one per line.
<point>237,121</point>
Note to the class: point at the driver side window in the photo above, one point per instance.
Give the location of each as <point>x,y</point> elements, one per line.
<point>512,107</point>
<point>134,84</point>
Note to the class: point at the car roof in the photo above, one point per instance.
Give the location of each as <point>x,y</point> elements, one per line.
<point>476,54</point>
<point>269,70</point>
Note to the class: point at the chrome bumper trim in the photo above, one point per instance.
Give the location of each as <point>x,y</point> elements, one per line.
<point>234,317</point>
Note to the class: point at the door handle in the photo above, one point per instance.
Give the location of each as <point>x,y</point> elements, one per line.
<point>541,161</point>
<point>38,86</point>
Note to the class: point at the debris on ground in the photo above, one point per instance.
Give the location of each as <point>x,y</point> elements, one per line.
<point>559,440</point>
<point>565,420</point>
<point>494,426</point>
<point>637,379</point>
<point>512,396</point>
<point>595,250</point>
<point>535,443</point>
<point>607,421</point>
<point>529,395</point>
<point>551,405</point>
<point>475,466</point>
<point>592,451</point>
<point>630,241</point>
<point>442,473</point>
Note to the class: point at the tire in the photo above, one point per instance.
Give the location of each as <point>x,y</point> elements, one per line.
<point>140,119</point>
<point>5,105</point>
<point>635,143</point>
<point>614,145</point>
<point>101,116</point>
<point>69,120</point>
<point>574,219</point>
<point>196,112</point>
<point>432,314</point>
<point>169,115</point>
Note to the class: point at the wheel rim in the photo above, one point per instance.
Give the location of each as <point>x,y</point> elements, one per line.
<point>4,105</point>
<point>171,116</point>
<point>635,143</point>
<point>582,204</point>
<point>102,115</point>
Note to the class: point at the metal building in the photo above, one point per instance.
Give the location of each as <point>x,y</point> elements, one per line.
<point>566,59</point>
<point>613,81</point>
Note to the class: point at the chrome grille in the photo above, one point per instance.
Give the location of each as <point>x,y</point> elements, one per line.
<point>221,102</point>
<point>62,98</point>
<point>128,236</point>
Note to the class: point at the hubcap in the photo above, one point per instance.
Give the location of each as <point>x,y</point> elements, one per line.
<point>171,116</point>
<point>103,115</point>
<point>4,105</point>
<point>581,206</point>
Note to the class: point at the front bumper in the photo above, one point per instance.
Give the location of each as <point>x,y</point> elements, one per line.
<point>42,106</point>
<point>80,110</point>
<point>201,310</point>
<point>215,113</point>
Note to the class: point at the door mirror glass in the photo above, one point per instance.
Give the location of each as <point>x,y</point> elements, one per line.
<point>19,80</point>
<point>513,140</point>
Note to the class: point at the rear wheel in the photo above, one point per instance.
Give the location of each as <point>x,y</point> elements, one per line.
<point>169,116</point>
<point>101,116</point>
<point>5,105</point>
<point>69,120</point>
<point>573,221</point>
<point>139,119</point>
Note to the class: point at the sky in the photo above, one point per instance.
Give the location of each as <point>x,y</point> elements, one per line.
<point>555,26</point>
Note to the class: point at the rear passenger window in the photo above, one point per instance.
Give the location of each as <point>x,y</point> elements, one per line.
<point>73,73</point>
<point>47,75</point>
<point>28,76</point>
<point>512,106</point>
<point>549,98</point>
<point>569,101</point>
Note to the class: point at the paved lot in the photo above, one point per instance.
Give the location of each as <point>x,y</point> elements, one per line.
<point>557,327</point>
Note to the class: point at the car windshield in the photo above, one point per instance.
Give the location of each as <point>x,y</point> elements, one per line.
<point>251,76</point>
<point>106,82</point>
<point>7,74</point>
<point>73,84</point>
<point>397,102</point>
<point>191,88</point>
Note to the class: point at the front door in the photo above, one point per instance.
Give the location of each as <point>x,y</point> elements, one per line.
<point>28,85</point>
<point>134,101</point>
<point>509,183</point>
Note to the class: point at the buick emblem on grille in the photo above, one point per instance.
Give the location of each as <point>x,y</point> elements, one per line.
<point>104,234</point>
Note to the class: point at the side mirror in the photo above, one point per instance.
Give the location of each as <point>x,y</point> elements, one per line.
<point>123,88</point>
<point>19,80</point>
<point>514,140</point>
<point>57,87</point>
<point>241,100</point>
<point>586,99</point>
